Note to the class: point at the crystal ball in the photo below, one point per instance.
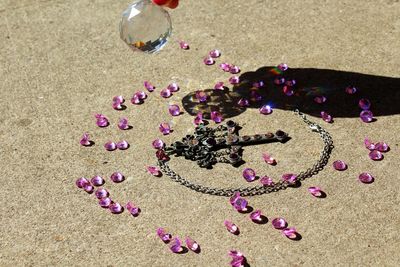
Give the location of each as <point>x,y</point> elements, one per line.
<point>145,26</point>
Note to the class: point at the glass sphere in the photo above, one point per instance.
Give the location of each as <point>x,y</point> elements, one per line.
<point>145,26</point>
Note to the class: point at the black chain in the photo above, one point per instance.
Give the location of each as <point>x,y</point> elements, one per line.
<point>259,190</point>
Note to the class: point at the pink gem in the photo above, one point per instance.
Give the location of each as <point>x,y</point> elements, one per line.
<point>266,181</point>
<point>165,93</point>
<point>105,202</point>
<point>141,95</point>
<point>165,128</point>
<point>256,216</point>
<point>350,90</point>
<point>88,188</point>
<point>148,86</point>
<point>279,223</point>
<point>234,69</point>
<point>117,177</point>
<point>375,155</point>
<point>255,96</point>
<point>368,144</point>
<point>101,193</point>
<point>176,245</point>
<point>158,144</point>
<point>209,61</point>
<point>136,100</point>
<point>97,180</point>
<point>290,83</point>
<point>339,165</point>
<point>366,116</point>
<point>243,102</point>
<point>366,178</point>
<point>231,227</point>
<point>288,90</point>
<point>153,170</point>
<point>184,45</point>
<point>326,117</point>
<point>110,146</point>
<point>268,159</point>
<point>240,204</point>
<point>198,119</point>
<point>279,80</point>
<point>265,110</point>
<point>216,116</point>
<point>364,103</point>
<point>165,237</point>
<point>123,124</point>
<point>238,261</point>
<point>290,233</point>
<point>81,182</point>
<point>132,209</point>
<point>225,67</point>
<point>173,87</point>
<point>160,154</point>
<point>320,99</point>
<point>201,96</point>
<point>117,106</point>
<point>283,67</point>
<point>174,110</point>
<point>117,102</point>
<point>214,53</point>
<point>234,80</point>
<point>315,191</point>
<point>234,197</point>
<point>219,86</point>
<point>249,174</point>
<point>85,141</point>
<point>289,177</point>
<point>191,244</point>
<point>116,208</point>
<point>382,147</point>
<point>102,120</point>
<point>122,145</point>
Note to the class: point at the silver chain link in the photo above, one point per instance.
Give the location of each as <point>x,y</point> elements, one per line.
<point>259,190</point>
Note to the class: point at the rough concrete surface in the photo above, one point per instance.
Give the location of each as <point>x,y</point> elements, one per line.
<point>63,61</point>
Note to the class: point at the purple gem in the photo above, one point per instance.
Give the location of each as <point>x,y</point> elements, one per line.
<point>279,80</point>
<point>153,170</point>
<point>375,155</point>
<point>234,69</point>
<point>368,144</point>
<point>174,110</point>
<point>208,61</point>
<point>366,178</point>
<point>364,103</point>
<point>234,197</point>
<point>288,90</point>
<point>136,100</point>
<point>219,86</point>
<point>249,174</point>
<point>290,83</point>
<point>176,245</point>
<point>339,165</point>
<point>117,102</point>
<point>266,181</point>
<point>320,99</point>
<point>105,202</point>
<point>201,96</point>
<point>123,124</point>
<point>122,145</point>
<point>165,93</point>
<point>256,216</point>
<point>382,147</point>
<point>101,193</point>
<point>315,191</point>
<point>255,96</point>
<point>165,237</point>
<point>191,244</point>
<point>290,233</point>
<point>240,204</point>
<point>110,146</point>
<point>97,180</point>
<point>117,177</point>
<point>102,120</point>
<point>258,84</point>
<point>326,117</point>
<point>184,45</point>
<point>173,87</point>
<point>231,227</point>
<point>283,67</point>
<point>216,116</point>
<point>225,67</point>
<point>81,182</point>
<point>266,109</point>
<point>198,119</point>
<point>366,116</point>
<point>158,144</point>
<point>279,223</point>
<point>234,80</point>
<point>149,86</point>
<point>88,188</point>
<point>243,102</point>
<point>141,95</point>
<point>85,141</point>
<point>214,53</point>
<point>132,209</point>
<point>165,128</point>
<point>115,208</point>
<point>351,90</point>
<point>238,262</point>
<point>289,177</point>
